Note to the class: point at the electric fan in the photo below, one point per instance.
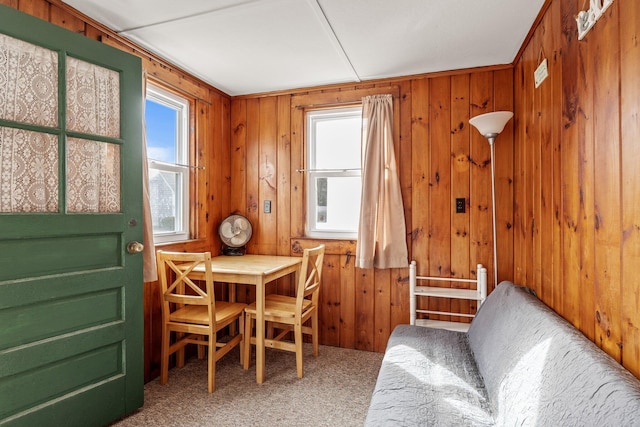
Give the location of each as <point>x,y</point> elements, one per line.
<point>235,232</point>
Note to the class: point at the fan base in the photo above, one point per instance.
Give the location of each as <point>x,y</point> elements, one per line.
<point>228,250</point>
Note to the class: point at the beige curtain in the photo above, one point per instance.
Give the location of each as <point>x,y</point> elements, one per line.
<point>381,232</point>
<point>150,273</point>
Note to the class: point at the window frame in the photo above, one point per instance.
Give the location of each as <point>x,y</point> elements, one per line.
<point>182,165</point>
<point>311,116</point>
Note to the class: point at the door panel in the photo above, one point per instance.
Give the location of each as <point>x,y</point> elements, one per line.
<point>70,200</point>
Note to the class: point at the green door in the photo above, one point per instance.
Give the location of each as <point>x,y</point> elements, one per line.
<point>70,201</point>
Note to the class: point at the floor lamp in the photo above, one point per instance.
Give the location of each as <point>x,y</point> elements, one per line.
<point>490,125</point>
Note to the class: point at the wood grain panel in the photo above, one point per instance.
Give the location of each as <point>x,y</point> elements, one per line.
<point>606,183</point>
<point>365,309</point>
<point>630,152</point>
<point>64,19</point>
<point>570,164</point>
<point>503,101</point>
<point>420,174</point>
<point>439,225</point>
<point>460,180</point>
<point>238,157</point>
<point>347,301</point>
<point>585,114</point>
<point>267,177</point>
<point>382,300</point>
<point>330,301</point>
<point>555,71</point>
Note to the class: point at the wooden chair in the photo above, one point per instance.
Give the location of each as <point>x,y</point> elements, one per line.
<point>192,313</point>
<point>288,313</point>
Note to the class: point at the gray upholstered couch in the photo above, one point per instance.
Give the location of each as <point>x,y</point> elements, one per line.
<point>520,364</point>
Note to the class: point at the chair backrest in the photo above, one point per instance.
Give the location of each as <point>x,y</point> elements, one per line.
<point>176,285</point>
<point>310,275</point>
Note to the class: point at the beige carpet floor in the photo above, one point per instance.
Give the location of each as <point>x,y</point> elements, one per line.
<point>335,391</point>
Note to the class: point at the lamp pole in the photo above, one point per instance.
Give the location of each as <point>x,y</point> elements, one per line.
<point>490,125</point>
<point>492,138</point>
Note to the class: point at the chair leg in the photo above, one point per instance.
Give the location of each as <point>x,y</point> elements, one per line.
<point>298,343</point>
<point>211,369</point>
<point>200,348</point>
<point>241,332</point>
<point>180,351</point>
<point>314,332</point>
<point>247,340</point>
<point>164,355</point>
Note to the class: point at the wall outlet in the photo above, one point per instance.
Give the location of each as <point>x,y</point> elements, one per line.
<point>460,205</point>
<point>267,206</point>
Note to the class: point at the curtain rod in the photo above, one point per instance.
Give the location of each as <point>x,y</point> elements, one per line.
<point>328,170</point>
<point>157,162</point>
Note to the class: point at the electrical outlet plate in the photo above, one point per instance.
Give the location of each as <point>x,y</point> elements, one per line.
<point>460,205</point>
<point>267,206</point>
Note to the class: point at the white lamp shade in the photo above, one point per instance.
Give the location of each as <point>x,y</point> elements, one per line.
<point>491,123</point>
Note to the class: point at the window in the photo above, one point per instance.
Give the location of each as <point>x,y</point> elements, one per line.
<point>166,116</point>
<point>333,172</point>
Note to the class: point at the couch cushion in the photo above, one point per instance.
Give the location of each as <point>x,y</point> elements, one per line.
<point>428,377</point>
<point>540,370</point>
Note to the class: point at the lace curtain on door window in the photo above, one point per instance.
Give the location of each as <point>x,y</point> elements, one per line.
<point>29,160</point>
<point>93,168</point>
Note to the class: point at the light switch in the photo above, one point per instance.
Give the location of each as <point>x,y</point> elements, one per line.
<point>267,206</point>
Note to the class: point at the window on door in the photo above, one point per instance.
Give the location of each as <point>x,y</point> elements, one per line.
<point>334,180</point>
<point>166,117</point>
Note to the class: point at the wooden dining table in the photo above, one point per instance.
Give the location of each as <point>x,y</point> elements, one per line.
<point>256,270</point>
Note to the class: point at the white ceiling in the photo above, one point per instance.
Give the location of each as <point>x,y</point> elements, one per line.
<point>254,46</point>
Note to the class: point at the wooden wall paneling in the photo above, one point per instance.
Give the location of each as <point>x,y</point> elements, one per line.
<point>503,101</point>
<point>399,298</point>
<point>282,204</point>
<point>64,19</point>
<point>201,122</point>
<point>218,164</point>
<point>555,72</point>
<point>284,172</point>
<point>381,312</point>
<point>251,175</point>
<point>365,309</point>
<point>10,3</point>
<point>347,301</point>
<point>534,162</point>
<point>439,225</point>
<point>222,162</point>
<point>630,151</point>
<point>420,209</point>
<point>532,177</point>
<point>519,175</point>
<point>570,163</point>
<point>94,33</point>
<point>586,124</point>
<point>460,178</point>
<point>266,227</point>
<point>298,210</point>
<point>37,8</point>
<point>481,234</point>
<point>608,206</point>
<point>253,170</point>
<point>400,277</point>
<point>238,176</point>
<point>329,310</point>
